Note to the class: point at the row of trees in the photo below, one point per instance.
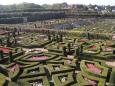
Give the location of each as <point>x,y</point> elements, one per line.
<point>89,35</point>
<point>70,50</point>
<point>56,37</point>
<point>12,20</point>
<point>22,6</point>
<point>19,18</point>
<point>10,39</point>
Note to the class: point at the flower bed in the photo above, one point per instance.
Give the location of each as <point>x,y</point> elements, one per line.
<point>13,68</point>
<point>38,58</point>
<point>109,49</point>
<point>37,83</point>
<point>63,78</point>
<point>3,32</point>
<point>92,47</point>
<point>61,44</point>
<point>93,68</point>
<point>82,40</point>
<point>92,82</point>
<point>35,50</point>
<point>68,61</point>
<point>5,50</point>
<point>96,70</point>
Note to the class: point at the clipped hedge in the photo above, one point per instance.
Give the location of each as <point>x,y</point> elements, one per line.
<point>63,68</point>
<point>39,68</point>
<point>58,82</point>
<point>84,68</point>
<point>30,79</point>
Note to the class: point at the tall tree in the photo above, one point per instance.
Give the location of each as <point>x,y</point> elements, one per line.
<point>1,54</point>
<point>64,51</point>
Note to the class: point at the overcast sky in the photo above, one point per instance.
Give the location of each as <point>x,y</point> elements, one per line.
<point>98,2</point>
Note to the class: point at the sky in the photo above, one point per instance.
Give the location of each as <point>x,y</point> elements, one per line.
<point>98,2</point>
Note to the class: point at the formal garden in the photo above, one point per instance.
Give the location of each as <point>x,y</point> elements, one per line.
<point>55,59</point>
